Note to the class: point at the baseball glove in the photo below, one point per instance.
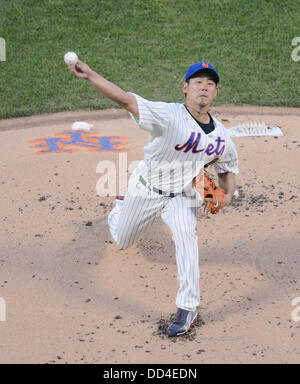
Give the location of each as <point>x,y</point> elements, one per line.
<point>211,194</point>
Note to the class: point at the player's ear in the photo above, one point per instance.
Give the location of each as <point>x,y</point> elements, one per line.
<point>185,87</point>
<point>216,92</point>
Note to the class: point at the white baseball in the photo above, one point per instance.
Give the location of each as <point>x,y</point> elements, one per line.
<point>70,58</point>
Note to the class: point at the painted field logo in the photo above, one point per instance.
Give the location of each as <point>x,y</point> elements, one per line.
<point>2,49</point>
<point>2,309</point>
<point>79,139</point>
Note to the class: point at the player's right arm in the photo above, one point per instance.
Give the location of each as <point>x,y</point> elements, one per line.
<point>107,88</point>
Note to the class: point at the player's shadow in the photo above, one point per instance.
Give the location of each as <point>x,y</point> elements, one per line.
<point>87,246</point>
<point>275,260</point>
<point>156,243</point>
<point>90,239</point>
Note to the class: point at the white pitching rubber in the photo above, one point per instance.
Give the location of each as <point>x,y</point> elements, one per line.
<point>254,129</point>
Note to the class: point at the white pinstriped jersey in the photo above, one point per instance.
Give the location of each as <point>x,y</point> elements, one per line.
<point>178,147</point>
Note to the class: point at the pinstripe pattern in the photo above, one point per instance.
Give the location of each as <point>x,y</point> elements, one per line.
<point>129,217</point>
<point>182,219</point>
<point>170,128</point>
<point>169,125</point>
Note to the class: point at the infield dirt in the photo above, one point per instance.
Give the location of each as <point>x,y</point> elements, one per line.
<point>71,296</point>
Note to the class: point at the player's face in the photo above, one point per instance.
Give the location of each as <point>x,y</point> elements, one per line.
<point>200,91</point>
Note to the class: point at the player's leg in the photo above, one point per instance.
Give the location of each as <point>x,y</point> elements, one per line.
<point>114,216</point>
<point>181,217</point>
<point>129,217</point>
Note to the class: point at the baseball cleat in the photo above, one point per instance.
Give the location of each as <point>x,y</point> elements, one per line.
<point>182,323</point>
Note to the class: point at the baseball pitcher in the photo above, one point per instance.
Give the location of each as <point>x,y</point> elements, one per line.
<point>183,139</point>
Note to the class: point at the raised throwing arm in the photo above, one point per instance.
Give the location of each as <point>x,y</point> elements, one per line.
<point>107,88</point>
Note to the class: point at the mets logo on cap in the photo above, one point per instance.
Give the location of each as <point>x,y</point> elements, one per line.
<point>202,66</point>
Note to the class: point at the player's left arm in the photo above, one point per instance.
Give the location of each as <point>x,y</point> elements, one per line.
<point>227,181</point>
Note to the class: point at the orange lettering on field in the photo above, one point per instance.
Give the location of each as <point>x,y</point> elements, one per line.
<point>89,140</point>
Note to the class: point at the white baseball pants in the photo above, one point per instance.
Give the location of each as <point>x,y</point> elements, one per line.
<point>129,217</point>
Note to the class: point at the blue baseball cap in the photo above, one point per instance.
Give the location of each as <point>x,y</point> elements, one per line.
<point>205,67</point>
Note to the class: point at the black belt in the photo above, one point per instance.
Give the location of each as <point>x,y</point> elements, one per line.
<point>159,191</point>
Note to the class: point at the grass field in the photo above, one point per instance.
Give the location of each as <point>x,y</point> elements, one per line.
<point>146,46</point>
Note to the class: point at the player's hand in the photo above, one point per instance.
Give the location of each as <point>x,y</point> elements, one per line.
<point>226,200</point>
<point>81,70</point>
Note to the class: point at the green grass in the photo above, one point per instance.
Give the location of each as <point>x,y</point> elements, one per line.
<point>146,46</point>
